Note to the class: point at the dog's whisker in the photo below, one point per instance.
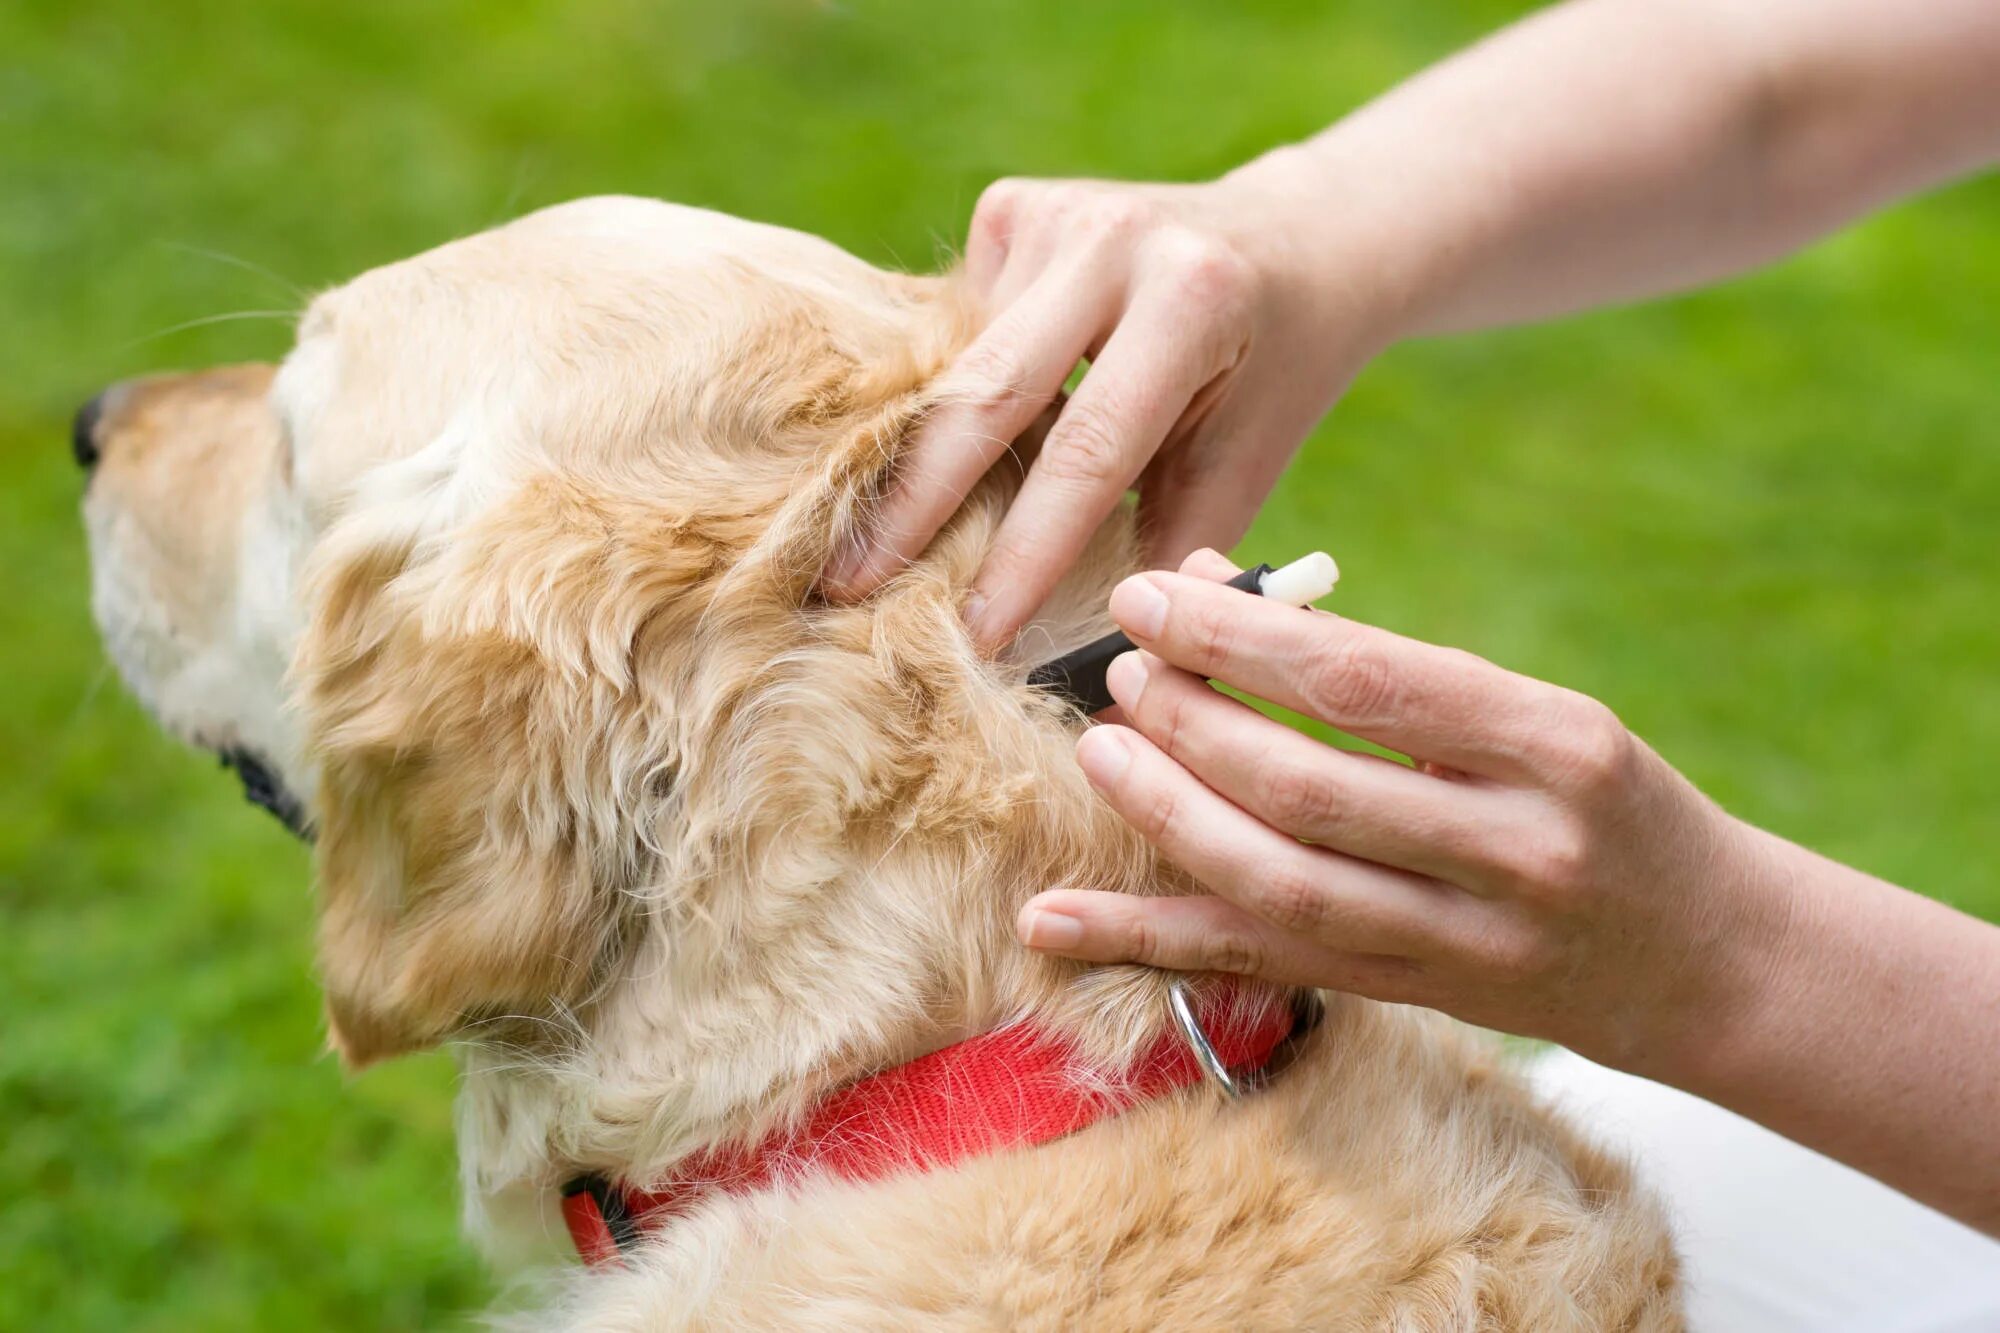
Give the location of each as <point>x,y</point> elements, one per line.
<point>224,318</point>
<point>247,265</point>
<point>525,167</point>
<point>71,730</point>
<point>91,693</point>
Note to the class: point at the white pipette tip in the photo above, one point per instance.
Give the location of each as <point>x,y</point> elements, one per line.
<point>1304,581</point>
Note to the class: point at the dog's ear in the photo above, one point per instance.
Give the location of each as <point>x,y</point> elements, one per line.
<point>483,761</point>
<point>441,906</point>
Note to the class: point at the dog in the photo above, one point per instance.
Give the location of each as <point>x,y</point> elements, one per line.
<point>502,589</point>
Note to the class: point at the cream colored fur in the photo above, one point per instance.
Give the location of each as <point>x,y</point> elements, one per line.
<point>667,848</point>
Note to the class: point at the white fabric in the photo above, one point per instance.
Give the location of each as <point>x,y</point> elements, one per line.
<point>1775,1237</point>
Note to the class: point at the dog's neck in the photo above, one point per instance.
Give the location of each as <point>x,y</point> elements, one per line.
<point>854,836</point>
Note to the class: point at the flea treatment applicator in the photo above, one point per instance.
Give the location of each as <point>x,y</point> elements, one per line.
<point>1079,676</point>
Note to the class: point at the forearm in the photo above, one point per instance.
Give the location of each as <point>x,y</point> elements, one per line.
<point>1606,150</point>
<point>1869,1030</point>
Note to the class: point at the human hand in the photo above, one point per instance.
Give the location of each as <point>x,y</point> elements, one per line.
<point>1540,870</point>
<point>1213,352</point>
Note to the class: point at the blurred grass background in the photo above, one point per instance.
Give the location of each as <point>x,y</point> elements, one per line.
<point>1760,522</point>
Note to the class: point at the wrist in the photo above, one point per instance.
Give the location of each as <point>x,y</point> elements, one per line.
<point>1370,217</point>
<point>1730,977</point>
<point>1354,281</point>
<point>1766,955</point>
<point>1861,1028</point>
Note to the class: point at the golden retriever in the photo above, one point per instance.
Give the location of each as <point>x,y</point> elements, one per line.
<point>503,582</point>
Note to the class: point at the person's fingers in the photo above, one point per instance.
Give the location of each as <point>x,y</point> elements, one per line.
<point>1437,704</point>
<point>1356,803</point>
<point>1208,563</point>
<point>989,238</point>
<point>991,394</point>
<point>1136,390</point>
<point>1332,898</point>
<point>1198,934</point>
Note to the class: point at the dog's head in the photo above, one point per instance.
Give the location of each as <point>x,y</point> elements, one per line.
<point>503,582</point>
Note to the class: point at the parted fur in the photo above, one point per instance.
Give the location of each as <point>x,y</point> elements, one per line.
<point>667,847</point>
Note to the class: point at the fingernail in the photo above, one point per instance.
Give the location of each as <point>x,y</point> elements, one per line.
<point>1044,929</point>
<point>1139,607</point>
<point>1103,755</point>
<point>846,563</point>
<point>1126,678</point>
<point>974,611</point>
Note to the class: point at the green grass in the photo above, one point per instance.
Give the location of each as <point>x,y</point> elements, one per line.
<point>1759,522</point>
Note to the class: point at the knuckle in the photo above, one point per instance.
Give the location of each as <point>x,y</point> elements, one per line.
<point>1082,448</point>
<point>1161,811</point>
<point>1165,714</point>
<point>1351,682</point>
<point>1204,270</point>
<point>990,374</point>
<point>1295,798</point>
<point>1552,865</point>
<point>1234,952</point>
<point>1206,632</point>
<point>1292,900</point>
<point>1142,943</point>
<point>1066,198</point>
<point>1594,749</point>
<point>999,203</point>
<point>1107,215</point>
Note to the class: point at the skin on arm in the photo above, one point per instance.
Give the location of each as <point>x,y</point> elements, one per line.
<point>1600,151</point>
<point>1541,871</point>
<point>1607,150</point>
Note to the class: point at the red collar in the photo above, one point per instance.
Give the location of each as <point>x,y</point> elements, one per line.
<point>1010,1088</point>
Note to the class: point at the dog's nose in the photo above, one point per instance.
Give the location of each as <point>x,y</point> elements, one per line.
<point>83,432</point>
